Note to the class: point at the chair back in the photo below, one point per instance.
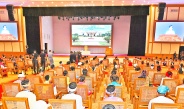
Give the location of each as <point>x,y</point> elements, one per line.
<point>180,96</point>
<point>119,91</point>
<point>62,104</point>
<point>181,77</point>
<point>146,94</point>
<point>15,103</point>
<point>34,80</point>
<point>72,76</point>
<point>61,83</point>
<point>166,106</point>
<point>89,82</point>
<point>59,71</point>
<point>44,91</point>
<point>50,73</point>
<point>117,105</point>
<point>172,84</point>
<point>157,78</point>
<point>11,89</point>
<point>139,82</point>
<point>82,90</point>
<point>78,71</point>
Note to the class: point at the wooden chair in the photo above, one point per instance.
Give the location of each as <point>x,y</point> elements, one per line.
<point>62,104</point>
<point>157,78</point>
<point>34,80</point>
<point>15,103</point>
<point>166,106</point>
<point>10,67</point>
<point>82,90</point>
<point>72,76</point>
<point>50,73</point>
<point>10,89</point>
<point>29,63</point>
<point>179,98</point>
<point>78,72</point>
<point>151,73</point>
<point>172,84</point>
<point>45,92</point>
<point>142,99</point>
<point>118,105</point>
<point>61,83</point>
<point>21,66</point>
<point>3,72</point>
<point>59,71</point>
<point>181,77</point>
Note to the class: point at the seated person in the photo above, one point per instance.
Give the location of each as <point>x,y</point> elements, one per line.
<point>110,90</point>
<point>71,90</point>
<point>21,77</point>
<point>168,76</point>
<point>85,72</point>
<point>72,68</point>
<point>129,63</point>
<point>52,69</point>
<point>162,90</point>
<point>109,106</point>
<point>48,81</point>
<point>40,104</point>
<point>114,79</point>
<point>31,96</point>
<point>82,80</point>
<point>65,73</point>
<point>180,86</point>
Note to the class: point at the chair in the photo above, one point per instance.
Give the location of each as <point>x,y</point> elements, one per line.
<point>15,103</point>
<point>34,80</point>
<point>72,76</point>
<point>10,67</point>
<point>82,90</point>
<point>61,83</point>
<point>78,72</point>
<point>21,66</point>
<point>50,73</point>
<point>45,92</point>
<point>157,78</point>
<point>10,89</point>
<point>118,105</point>
<point>179,98</point>
<point>3,72</point>
<point>166,106</point>
<point>62,104</point>
<point>59,71</point>
<point>181,77</point>
<point>142,99</point>
<point>172,84</point>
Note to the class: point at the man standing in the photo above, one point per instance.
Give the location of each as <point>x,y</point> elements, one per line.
<point>43,59</point>
<point>50,56</point>
<point>35,62</point>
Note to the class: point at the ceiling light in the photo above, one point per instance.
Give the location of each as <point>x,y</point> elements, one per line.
<point>62,2</point>
<point>112,1</point>
<point>32,2</point>
<point>123,1</point>
<point>133,1</point>
<point>52,2</point>
<point>38,5</point>
<point>132,4</point>
<point>112,4</point>
<point>55,5</point>
<point>122,4</point>
<point>29,5</point>
<point>71,2</point>
<point>42,2</point>
<point>47,5</point>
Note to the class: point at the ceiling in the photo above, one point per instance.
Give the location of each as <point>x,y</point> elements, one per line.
<point>69,3</point>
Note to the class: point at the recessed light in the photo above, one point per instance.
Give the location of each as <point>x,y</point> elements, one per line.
<point>55,5</point>
<point>133,1</point>
<point>132,4</point>
<point>112,1</point>
<point>71,2</point>
<point>122,4</point>
<point>112,4</point>
<point>32,2</point>
<point>62,2</point>
<point>141,4</point>
<point>123,1</point>
<point>29,5</point>
<point>42,2</point>
<point>47,5</point>
<point>38,5</point>
<point>52,2</point>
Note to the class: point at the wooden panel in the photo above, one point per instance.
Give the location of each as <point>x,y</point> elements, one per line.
<point>181,16</point>
<point>16,46</point>
<point>150,48</point>
<point>157,11</point>
<point>21,47</point>
<point>156,48</point>
<point>172,13</point>
<point>174,47</point>
<point>165,48</point>
<point>2,46</point>
<point>4,15</point>
<point>8,46</point>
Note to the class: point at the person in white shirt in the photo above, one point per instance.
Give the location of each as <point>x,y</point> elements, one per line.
<point>21,77</point>
<point>72,89</point>
<point>180,86</point>
<point>170,31</point>
<point>47,81</point>
<point>109,106</point>
<point>168,75</point>
<point>33,104</point>
<point>162,90</point>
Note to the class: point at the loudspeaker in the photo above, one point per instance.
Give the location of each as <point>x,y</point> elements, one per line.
<point>161,8</point>
<point>9,8</point>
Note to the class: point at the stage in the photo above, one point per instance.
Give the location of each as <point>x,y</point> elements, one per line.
<point>99,55</point>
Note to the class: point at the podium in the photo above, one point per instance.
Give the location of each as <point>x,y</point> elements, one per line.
<point>108,51</point>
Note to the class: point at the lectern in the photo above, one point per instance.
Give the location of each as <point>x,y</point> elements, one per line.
<point>109,51</point>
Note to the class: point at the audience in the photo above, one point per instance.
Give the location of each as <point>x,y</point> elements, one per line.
<point>48,81</point>
<point>65,73</point>
<point>109,106</point>
<point>114,79</point>
<point>71,90</point>
<point>21,77</point>
<point>110,90</point>
<point>162,90</point>
<point>31,97</point>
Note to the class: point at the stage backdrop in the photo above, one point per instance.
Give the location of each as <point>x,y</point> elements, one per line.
<point>61,35</point>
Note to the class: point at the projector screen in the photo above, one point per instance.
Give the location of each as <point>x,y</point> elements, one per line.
<point>91,34</point>
<point>169,31</point>
<point>8,31</point>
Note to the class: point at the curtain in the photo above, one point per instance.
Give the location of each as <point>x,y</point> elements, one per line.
<point>137,39</point>
<point>33,33</point>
